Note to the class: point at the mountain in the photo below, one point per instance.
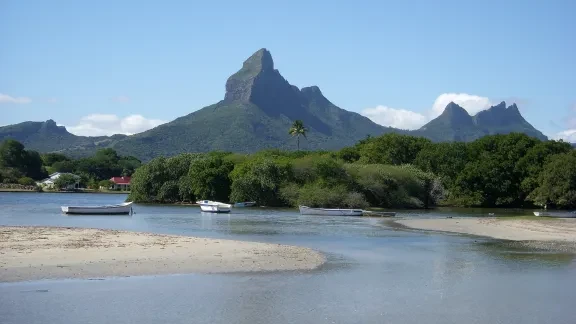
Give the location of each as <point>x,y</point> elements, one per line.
<point>455,124</point>
<point>49,137</point>
<point>258,108</point>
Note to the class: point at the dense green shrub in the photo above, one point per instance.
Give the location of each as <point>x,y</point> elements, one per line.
<point>209,178</point>
<point>26,181</point>
<point>388,171</point>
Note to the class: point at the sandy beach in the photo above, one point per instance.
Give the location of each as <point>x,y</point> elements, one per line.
<point>540,233</point>
<point>33,253</point>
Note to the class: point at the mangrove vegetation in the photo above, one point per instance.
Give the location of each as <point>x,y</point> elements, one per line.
<point>390,171</point>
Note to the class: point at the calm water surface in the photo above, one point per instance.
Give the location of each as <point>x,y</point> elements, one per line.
<point>375,273</point>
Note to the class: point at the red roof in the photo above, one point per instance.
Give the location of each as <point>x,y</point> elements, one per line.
<point>121,180</point>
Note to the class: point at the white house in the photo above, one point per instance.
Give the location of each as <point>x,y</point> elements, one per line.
<point>121,183</point>
<point>49,182</point>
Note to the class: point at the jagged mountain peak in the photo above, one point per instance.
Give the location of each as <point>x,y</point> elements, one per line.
<point>261,59</point>
<point>500,106</point>
<point>312,90</point>
<point>513,109</point>
<point>453,114</point>
<point>453,108</point>
<point>50,126</point>
<point>256,75</point>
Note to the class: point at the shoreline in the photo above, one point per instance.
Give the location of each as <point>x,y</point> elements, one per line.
<point>547,234</point>
<point>38,252</point>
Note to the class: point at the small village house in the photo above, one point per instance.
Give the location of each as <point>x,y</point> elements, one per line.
<point>120,183</point>
<point>48,183</point>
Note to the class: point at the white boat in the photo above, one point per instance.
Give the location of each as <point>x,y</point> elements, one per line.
<point>210,206</point>
<point>305,210</point>
<point>120,209</point>
<point>559,214</point>
<point>245,204</point>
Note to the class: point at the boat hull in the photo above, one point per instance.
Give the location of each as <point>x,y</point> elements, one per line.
<point>121,209</point>
<point>208,206</point>
<point>557,214</point>
<point>214,209</point>
<point>379,213</point>
<point>304,210</point>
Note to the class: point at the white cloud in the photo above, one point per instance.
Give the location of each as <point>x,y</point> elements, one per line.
<point>407,119</point>
<point>567,136</point>
<point>4,98</point>
<point>473,104</point>
<point>398,118</point>
<point>108,124</point>
<point>121,99</point>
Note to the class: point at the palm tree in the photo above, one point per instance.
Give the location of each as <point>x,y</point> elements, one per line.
<point>298,129</point>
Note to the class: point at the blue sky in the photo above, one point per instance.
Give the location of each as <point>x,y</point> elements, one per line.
<point>124,66</point>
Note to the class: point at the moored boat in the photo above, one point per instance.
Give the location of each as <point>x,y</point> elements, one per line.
<point>245,204</point>
<point>119,209</point>
<point>559,214</point>
<point>378,213</point>
<point>305,210</point>
<point>210,206</point>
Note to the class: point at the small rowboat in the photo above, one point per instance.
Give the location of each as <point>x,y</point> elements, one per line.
<point>245,204</point>
<point>214,206</point>
<point>120,209</point>
<point>305,210</point>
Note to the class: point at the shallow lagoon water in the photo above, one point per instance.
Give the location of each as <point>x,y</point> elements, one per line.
<point>375,273</point>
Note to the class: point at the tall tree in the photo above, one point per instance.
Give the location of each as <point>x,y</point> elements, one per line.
<point>298,130</point>
<point>209,178</point>
<point>557,182</point>
<point>12,154</point>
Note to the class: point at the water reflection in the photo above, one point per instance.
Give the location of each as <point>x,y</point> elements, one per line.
<point>516,254</point>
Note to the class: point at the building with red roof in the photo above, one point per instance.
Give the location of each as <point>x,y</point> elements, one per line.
<point>121,183</point>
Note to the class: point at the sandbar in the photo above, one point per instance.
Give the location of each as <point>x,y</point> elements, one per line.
<point>35,253</point>
<point>552,233</point>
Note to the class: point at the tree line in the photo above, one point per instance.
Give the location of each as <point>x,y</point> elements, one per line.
<point>25,167</point>
<point>276,178</point>
<point>391,170</point>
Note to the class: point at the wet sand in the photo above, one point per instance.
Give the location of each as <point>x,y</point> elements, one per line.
<point>33,253</point>
<point>546,233</point>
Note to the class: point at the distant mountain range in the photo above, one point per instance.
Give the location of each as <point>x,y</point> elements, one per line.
<point>455,124</point>
<point>258,108</point>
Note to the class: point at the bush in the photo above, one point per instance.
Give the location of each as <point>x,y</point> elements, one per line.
<point>396,186</point>
<point>355,200</point>
<point>289,193</point>
<point>209,177</point>
<point>185,189</point>
<point>26,181</point>
<point>168,192</point>
<point>10,175</point>
<point>315,195</point>
<point>105,184</point>
<point>260,181</point>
